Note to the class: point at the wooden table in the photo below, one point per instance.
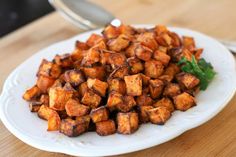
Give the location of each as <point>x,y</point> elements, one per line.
<point>216,18</point>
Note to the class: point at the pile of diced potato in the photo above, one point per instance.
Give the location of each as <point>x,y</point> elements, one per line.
<point>116,81</point>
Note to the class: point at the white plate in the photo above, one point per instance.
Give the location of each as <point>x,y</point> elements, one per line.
<point>30,129</point>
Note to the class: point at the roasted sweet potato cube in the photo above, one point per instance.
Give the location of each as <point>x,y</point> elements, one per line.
<point>197,53</point>
<point>119,43</point>
<point>105,56</point>
<point>143,115</point>
<point>74,77</point>
<point>162,57</point>
<point>171,90</point>
<point>44,83</point>
<point>162,49</point>
<point>94,72</point>
<point>83,87</point>
<point>176,41</point>
<point>136,66</point>
<point>133,85</point>
<point>72,128</point>
<point>165,102</point>
<point>54,122</point>
<point>184,101</point>
<point>58,97</point>
<point>35,106</point>
<point>148,39</point>
<point>77,55</point>
<point>64,60</point>
<point>44,99</point>
<point>144,100</point>
<point>110,32</point>
<point>45,112</point>
<point>105,128</point>
<point>159,115</point>
<point>175,53</point>
<point>189,43</point>
<point>159,29</point>
<point>81,45</point>
<point>130,50</point>
<point>49,69</point>
<point>186,54</point>
<point>114,99</point>
<point>156,87</point>
<point>91,99</point>
<point>74,108</point>
<point>164,39</point>
<point>145,79</point>
<point>127,105</point>
<point>31,93</point>
<point>165,78</point>
<point>126,29</point>
<point>94,39</point>
<point>117,60</point>
<point>92,56</point>
<point>120,72</point>
<point>187,80</point>
<point>171,70</point>
<point>153,68</point>
<point>142,52</point>
<point>84,120</point>
<point>97,86</point>
<point>99,114</point>
<point>117,85</point>
<point>127,122</point>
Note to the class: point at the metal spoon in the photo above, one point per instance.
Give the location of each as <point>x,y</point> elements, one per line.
<point>89,16</point>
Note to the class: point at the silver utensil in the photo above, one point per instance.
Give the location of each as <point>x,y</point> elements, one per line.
<point>89,16</point>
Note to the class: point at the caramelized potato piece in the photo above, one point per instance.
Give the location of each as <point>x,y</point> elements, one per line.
<point>74,77</point>
<point>105,128</point>
<point>143,113</point>
<point>97,86</point>
<point>44,99</point>
<point>77,55</point>
<point>184,101</point>
<point>159,115</point>
<point>135,65</point>
<point>83,87</point>
<point>94,72</point>
<point>91,99</point>
<point>133,85</point>
<point>45,112</point>
<point>92,56</point>
<point>153,68</point>
<point>176,41</point>
<point>49,69</point>
<point>144,100</point>
<point>54,122</point>
<point>110,32</point>
<point>74,108</point>
<point>164,40</point>
<point>175,54</point>
<point>105,56</point>
<point>171,71</point>
<point>187,80</point>
<point>156,87</point>
<point>126,29</point>
<point>166,102</point>
<point>130,50</point>
<point>171,90</point>
<point>44,83</point>
<point>120,72</point>
<point>160,29</point>
<point>188,42</point>
<point>31,93</point>
<point>94,39</point>
<point>64,60</point>
<point>142,52</point>
<point>145,79</point>
<point>162,57</point>
<point>119,43</point>
<point>186,53</point>
<point>127,104</point>
<point>127,122</point>
<point>35,106</point>
<point>148,39</point>
<point>117,60</point>
<point>114,99</point>
<point>81,45</point>
<point>117,85</point>
<point>99,114</point>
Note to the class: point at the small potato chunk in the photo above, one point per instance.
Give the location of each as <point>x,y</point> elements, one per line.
<point>133,85</point>
<point>144,100</point>
<point>176,41</point>
<point>130,51</point>
<point>83,87</point>
<point>189,43</point>
<point>120,72</point>
<point>117,85</point>
<point>31,93</point>
<point>94,72</point>
<point>184,101</point>
<point>171,90</point>
<point>92,56</point>
<point>144,53</point>
<point>74,108</point>
<point>160,29</point>
<point>91,99</point>
<point>97,86</point>
<point>117,60</point>
<point>126,29</point>
<point>148,39</point>
<point>156,87</point>
<point>49,69</point>
<point>136,66</point>
<point>81,45</point>
<point>159,115</point>
<point>165,102</point>
<point>187,80</point>
<point>119,43</point>
<point>54,122</point>
<point>143,115</point>
<point>45,112</point>
<point>162,57</point>
<point>74,77</point>
<point>175,53</point>
<point>105,56</point>
<point>99,114</point>
<point>105,128</point>
<point>44,83</point>
<point>153,68</point>
<point>35,106</point>
<point>64,60</point>
<point>127,122</point>
<point>171,70</point>
<point>114,99</point>
<point>145,79</point>
<point>111,32</point>
<point>94,39</point>
<point>164,40</point>
<point>127,105</point>
<point>44,99</point>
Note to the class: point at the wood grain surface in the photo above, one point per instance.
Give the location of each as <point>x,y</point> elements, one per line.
<point>216,18</point>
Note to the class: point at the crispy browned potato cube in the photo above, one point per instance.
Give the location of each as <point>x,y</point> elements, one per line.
<point>54,122</point>
<point>74,77</point>
<point>119,43</point>
<point>49,69</point>
<point>144,100</point>
<point>117,85</point>
<point>136,66</point>
<point>187,80</point>
<point>127,105</point>
<point>105,128</point>
<point>175,53</point>
<point>91,99</point>
<point>126,29</point>
<point>114,99</point>
<point>153,68</point>
<point>162,57</point>
<point>184,101</point>
<point>44,99</point>
<point>133,85</point>
<point>176,41</point>
<point>99,114</point>
<point>73,128</point>
<point>97,86</point>
<point>171,90</point>
<point>105,56</point>
<point>92,56</point>
<point>189,43</point>
<point>142,52</point>
<point>94,72</point>
<point>94,39</point>
<point>77,55</point>
<point>58,97</point>
<point>74,108</point>
<point>120,72</point>
<point>45,112</point>
<point>84,120</point>
<point>110,32</point>
<point>146,90</point>
<point>159,115</point>
<point>127,122</point>
<point>64,60</point>
<point>143,115</point>
<point>145,79</point>
<point>164,39</point>
<point>186,54</point>
<point>83,87</point>
<point>44,83</point>
<point>31,93</point>
<point>117,60</point>
<point>198,53</point>
<point>156,87</point>
<point>35,106</point>
<point>148,39</point>
<point>165,102</point>
<point>130,50</point>
<point>159,29</point>
<point>81,45</point>
<point>171,70</point>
